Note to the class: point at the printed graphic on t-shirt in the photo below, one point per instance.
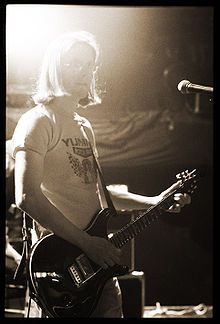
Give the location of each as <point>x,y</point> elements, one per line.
<point>78,152</point>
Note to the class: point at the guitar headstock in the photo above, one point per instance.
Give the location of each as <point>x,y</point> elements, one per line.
<point>188,180</point>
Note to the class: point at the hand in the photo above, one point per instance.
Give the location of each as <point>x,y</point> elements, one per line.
<point>102,252</point>
<point>180,201</point>
<point>13,258</point>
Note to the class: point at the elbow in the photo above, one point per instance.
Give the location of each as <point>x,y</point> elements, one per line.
<point>23,201</point>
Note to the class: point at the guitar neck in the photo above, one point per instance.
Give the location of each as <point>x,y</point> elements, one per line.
<point>130,230</point>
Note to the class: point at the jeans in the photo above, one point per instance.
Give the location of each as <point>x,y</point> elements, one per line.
<point>110,302</point>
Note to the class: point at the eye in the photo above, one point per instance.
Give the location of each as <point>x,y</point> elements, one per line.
<point>78,66</point>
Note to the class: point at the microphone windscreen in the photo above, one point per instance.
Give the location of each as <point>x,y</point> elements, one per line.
<point>182,85</point>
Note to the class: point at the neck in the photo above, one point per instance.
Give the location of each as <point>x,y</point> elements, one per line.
<point>66,104</point>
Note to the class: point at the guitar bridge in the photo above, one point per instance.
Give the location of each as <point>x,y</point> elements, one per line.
<point>81,270</point>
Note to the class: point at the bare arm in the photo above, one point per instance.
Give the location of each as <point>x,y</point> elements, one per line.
<point>131,200</point>
<point>29,198</point>
<point>11,252</point>
<point>122,196</point>
<point>9,160</point>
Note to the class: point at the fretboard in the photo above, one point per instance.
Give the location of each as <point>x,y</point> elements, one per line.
<point>145,219</point>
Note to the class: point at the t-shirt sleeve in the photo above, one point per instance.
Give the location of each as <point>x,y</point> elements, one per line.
<point>32,132</point>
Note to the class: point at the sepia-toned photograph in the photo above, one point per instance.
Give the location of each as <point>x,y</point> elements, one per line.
<point>109,161</point>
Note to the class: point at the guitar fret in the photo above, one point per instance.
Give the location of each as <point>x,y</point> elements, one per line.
<point>137,229</point>
<point>47,276</point>
<point>130,232</point>
<point>167,203</point>
<point>119,237</point>
<point>115,241</point>
<point>134,228</point>
<point>154,216</point>
<point>120,242</point>
<point>144,220</point>
<point>147,221</point>
<point>123,236</point>
<point>142,225</point>
<point>150,217</point>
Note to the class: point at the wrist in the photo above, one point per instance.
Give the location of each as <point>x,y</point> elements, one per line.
<point>83,240</point>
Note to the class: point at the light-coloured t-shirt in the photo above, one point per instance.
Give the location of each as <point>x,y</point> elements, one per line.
<point>70,175</point>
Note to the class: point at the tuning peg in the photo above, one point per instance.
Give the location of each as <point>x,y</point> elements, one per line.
<point>185,173</point>
<point>178,176</point>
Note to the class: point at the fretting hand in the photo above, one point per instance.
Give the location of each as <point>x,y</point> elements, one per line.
<point>180,199</point>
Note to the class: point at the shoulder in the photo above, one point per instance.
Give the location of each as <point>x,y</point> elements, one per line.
<point>38,112</point>
<point>34,123</point>
<point>33,132</point>
<point>35,117</point>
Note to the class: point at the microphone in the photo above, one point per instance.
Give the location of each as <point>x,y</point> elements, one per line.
<point>186,87</point>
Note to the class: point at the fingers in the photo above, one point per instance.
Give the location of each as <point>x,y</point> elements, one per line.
<point>104,265</point>
<point>187,199</point>
<point>175,208</point>
<point>114,256</point>
<point>182,199</point>
<point>111,258</point>
<point>103,252</point>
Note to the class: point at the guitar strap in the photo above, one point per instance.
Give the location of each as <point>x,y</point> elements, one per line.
<point>106,192</point>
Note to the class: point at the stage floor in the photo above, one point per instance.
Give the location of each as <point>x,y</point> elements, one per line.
<point>199,311</point>
<point>159,311</point>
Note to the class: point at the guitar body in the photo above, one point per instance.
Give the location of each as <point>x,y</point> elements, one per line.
<point>63,280</point>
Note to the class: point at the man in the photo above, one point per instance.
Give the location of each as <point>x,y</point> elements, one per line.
<point>56,180</point>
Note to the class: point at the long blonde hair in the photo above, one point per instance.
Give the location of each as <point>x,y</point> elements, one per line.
<point>50,81</point>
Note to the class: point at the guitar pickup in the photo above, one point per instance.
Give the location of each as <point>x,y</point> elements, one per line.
<point>84,265</point>
<point>74,272</point>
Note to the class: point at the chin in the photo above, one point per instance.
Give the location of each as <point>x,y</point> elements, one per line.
<point>79,93</point>
<point>83,93</point>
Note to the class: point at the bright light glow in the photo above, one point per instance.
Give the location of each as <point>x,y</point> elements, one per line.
<point>29,28</point>
<point>26,28</point>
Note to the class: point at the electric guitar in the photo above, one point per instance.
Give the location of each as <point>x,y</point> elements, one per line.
<point>65,282</point>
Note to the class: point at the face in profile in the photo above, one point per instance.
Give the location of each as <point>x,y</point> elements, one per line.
<point>77,69</point>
